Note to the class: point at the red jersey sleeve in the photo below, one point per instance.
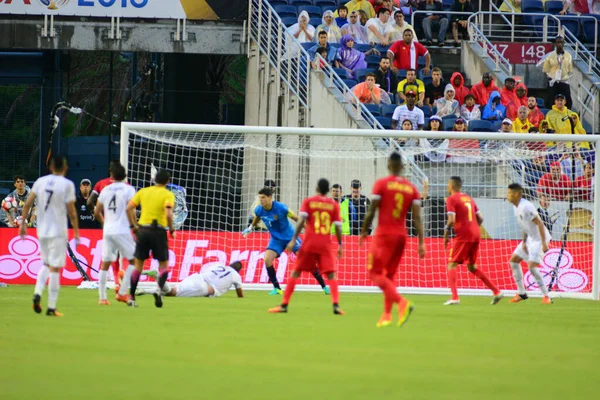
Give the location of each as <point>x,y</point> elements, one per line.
<point>394,47</point>
<point>451,205</point>
<point>421,50</point>
<point>97,188</point>
<point>378,189</point>
<point>336,214</point>
<point>304,208</point>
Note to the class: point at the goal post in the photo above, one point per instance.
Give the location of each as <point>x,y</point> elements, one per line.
<point>218,170</point>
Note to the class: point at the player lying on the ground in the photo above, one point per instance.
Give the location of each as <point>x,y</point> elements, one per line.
<point>319,211</point>
<point>211,282</point>
<point>275,216</point>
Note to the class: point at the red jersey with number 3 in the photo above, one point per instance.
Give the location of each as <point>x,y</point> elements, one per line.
<point>465,223</point>
<point>101,184</point>
<point>397,195</point>
<point>320,212</point>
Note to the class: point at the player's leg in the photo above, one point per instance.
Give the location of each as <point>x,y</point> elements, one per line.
<point>102,275</point>
<point>271,254</point>
<point>452,277</point>
<point>515,264</point>
<point>335,292</point>
<point>535,259</point>
<point>126,246</point>
<point>471,260</point>
<point>315,272</point>
<point>56,261</point>
<point>109,255</point>
<point>287,294</point>
<point>142,252</point>
<point>42,276</point>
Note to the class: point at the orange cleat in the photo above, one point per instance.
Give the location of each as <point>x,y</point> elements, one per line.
<point>547,300</point>
<point>117,287</point>
<point>405,309</point>
<point>278,309</point>
<point>103,303</point>
<point>54,313</point>
<point>518,297</point>
<point>385,320</point>
<point>123,299</point>
<point>338,311</point>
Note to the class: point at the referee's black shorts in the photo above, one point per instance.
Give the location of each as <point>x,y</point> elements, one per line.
<point>152,239</point>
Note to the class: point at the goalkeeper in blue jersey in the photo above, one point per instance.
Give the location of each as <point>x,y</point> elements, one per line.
<point>275,217</point>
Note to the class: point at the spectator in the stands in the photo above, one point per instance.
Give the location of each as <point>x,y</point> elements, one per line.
<point>460,90</point>
<point>513,108</point>
<point>317,62</point>
<point>562,120</point>
<point>411,83</point>
<point>570,159</point>
<point>362,5</point>
<point>545,127</point>
<point>362,17</point>
<point>354,28</point>
<point>470,111</point>
<point>389,4</point>
<point>334,34</point>
<point>368,92</point>
<point>459,126</point>
<point>506,126</point>
<point>435,18</point>
<point>521,123</point>
<point>494,110</point>
<point>409,111</point>
<point>302,30</point>
<point>585,183</point>
<point>407,125</point>
<point>349,58</point>
<point>483,89</point>
<point>378,29</point>
<point>459,21</point>
<point>558,68</point>
<point>435,89</point>
<point>384,76</point>
<point>399,25</point>
<point>511,6</point>
<point>322,42</point>
<point>342,17</point>
<point>507,94</point>
<point>554,184</point>
<point>447,105</point>
<point>435,123</point>
<point>535,115</point>
<point>405,53</point>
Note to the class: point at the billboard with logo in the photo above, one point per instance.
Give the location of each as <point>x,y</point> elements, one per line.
<point>176,9</point>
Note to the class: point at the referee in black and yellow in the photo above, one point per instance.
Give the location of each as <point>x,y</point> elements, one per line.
<point>157,204</point>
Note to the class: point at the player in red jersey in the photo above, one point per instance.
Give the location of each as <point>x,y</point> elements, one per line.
<point>466,219</point>
<point>394,196</point>
<point>317,213</point>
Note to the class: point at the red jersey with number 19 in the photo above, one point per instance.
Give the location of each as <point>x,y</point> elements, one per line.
<point>397,195</point>
<point>465,210</point>
<point>321,212</point>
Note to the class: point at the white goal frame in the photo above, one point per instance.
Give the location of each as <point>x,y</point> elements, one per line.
<point>126,127</point>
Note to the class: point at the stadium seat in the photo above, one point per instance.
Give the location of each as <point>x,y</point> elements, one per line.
<point>362,47</point>
<point>286,11</point>
<point>589,29</point>
<point>308,45</point>
<point>496,125</point>
<point>540,101</point>
<point>315,22</point>
<point>481,126</point>
<point>538,26</point>
<point>386,122</point>
<point>328,8</point>
<point>427,80</point>
<point>313,11</point>
<point>572,24</point>
<point>421,62</point>
<point>544,111</point>
<point>401,74</point>
<point>350,83</point>
<point>372,59</point>
<point>360,74</point>
<point>382,49</point>
<point>447,4</point>
<point>276,3</point>
<point>448,122</point>
<point>289,21</point>
<point>553,7</point>
<point>426,111</point>
<point>387,110</point>
<point>342,73</point>
<point>322,3</point>
<point>532,6</point>
<point>374,109</point>
<point>392,98</point>
<point>298,3</point>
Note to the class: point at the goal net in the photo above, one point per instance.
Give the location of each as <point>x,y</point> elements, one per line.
<point>218,170</point>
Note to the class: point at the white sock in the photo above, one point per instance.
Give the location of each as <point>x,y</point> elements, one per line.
<point>535,271</point>
<point>518,275</point>
<point>126,281</point>
<point>167,288</point>
<point>53,288</point>
<point>102,284</point>
<point>42,277</point>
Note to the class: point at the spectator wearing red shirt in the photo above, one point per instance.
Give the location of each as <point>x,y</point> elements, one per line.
<point>405,53</point>
<point>513,108</point>
<point>555,184</point>
<point>507,94</point>
<point>535,115</point>
<point>484,89</point>
<point>460,90</point>
<point>584,184</point>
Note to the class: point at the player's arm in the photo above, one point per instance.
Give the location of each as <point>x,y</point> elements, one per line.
<point>92,200</point>
<point>299,226</point>
<point>11,220</point>
<point>448,227</point>
<point>252,225</point>
<point>375,203</point>
<point>169,214</point>
<point>98,213</point>
<point>26,210</point>
<point>131,206</point>
<point>32,215</point>
<point>338,235</point>
<point>292,216</point>
<point>479,218</point>
<point>72,211</point>
<point>418,223</point>
<point>542,229</point>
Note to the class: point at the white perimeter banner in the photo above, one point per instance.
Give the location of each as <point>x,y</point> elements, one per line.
<point>96,8</point>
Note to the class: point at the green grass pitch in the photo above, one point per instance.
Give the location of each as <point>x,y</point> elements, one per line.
<point>229,348</point>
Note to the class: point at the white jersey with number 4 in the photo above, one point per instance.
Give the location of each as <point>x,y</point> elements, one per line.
<point>114,199</point>
<point>526,213</point>
<point>53,193</point>
<point>221,279</point>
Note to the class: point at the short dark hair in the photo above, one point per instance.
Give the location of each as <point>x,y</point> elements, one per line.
<point>382,11</point>
<point>237,265</point>
<point>384,58</point>
<point>411,69</point>
<point>119,173</point>
<point>18,177</point>
<point>322,33</point>
<point>162,177</point>
<point>469,96</point>
<point>112,164</point>
<point>337,186</point>
<point>323,186</point>
<point>266,191</point>
<point>57,162</point>
<point>321,49</point>
<point>342,8</point>
<point>396,157</point>
<point>515,187</point>
<point>456,181</point>
<point>371,74</point>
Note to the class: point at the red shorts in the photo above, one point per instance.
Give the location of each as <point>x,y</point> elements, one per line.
<point>308,261</point>
<point>385,254</point>
<point>464,252</point>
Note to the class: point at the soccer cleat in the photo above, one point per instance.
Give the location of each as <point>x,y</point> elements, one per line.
<point>131,303</point>
<point>497,299</point>
<point>338,311</point>
<point>117,287</point>
<point>518,297</point>
<point>326,290</point>
<point>385,320</point>
<point>53,313</point>
<point>104,302</point>
<point>452,302</point>
<point>278,309</point>
<point>36,303</point>
<point>123,299</point>
<point>275,292</point>
<point>404,312</point>
<point>151,273</point>
<point>547,300</point>
<point>158,299</point>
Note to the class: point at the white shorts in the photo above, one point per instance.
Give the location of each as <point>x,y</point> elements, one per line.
<point>113,245</point>
<point>193,286</point>
<point>534,251</point>
<point>54,251</point>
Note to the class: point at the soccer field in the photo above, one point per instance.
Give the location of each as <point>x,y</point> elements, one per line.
<point>232,348</point>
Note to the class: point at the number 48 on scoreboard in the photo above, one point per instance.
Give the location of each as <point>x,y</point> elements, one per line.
<point>522,53</point>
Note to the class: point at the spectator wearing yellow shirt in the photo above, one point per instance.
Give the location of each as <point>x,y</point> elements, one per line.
<point>522,124</point>
<point>558,67</point>
<point>359,5</point>
<point>412,83</point>
<point>564,121</point>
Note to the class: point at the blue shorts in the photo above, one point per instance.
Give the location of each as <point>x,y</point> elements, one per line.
<point>278,246</point>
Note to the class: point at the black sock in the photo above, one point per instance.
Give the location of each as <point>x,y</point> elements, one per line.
<point>319,278</point>
<point>162,279</point>
<point>273,277</point>
<point>135,277</point>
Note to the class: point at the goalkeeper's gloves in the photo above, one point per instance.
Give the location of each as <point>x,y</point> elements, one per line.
<point>247,231</point>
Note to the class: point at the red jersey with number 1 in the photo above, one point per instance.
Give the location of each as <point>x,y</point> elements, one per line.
<point>101,184</point>
<point>397,195</point>
<point>320,212</point>
<point>465,210</point>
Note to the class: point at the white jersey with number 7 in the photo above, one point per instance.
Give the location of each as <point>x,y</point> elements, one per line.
<point>53,193</point>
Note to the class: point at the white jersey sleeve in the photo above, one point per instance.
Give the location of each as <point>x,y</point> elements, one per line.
<point>53,193</point>
<point>222,279</point>
<point>114,199</point>
<point>526,213</point>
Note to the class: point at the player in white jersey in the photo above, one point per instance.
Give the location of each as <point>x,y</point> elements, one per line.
<point>535,243</point>
<point>211,282</point>
<point>117,238</point>
<point>55,197</point>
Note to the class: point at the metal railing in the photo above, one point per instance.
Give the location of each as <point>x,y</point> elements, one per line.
<point>587,104</point>
<point>488,50</point>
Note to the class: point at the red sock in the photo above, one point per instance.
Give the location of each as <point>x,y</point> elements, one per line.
<point>483,277</point>
<point>335,290</point>
<point>452,283</point>
<point>289,290</point>
<point>115,268</point>
<point>390,294</point>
